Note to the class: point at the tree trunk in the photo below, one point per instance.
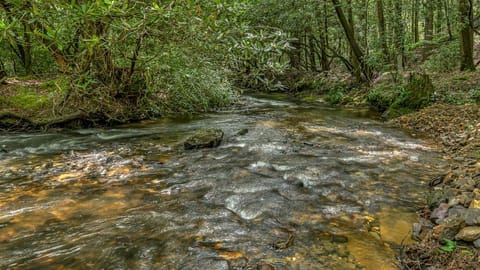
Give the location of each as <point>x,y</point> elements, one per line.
<point>399,36</point>
<point>312,49</point>
<point>466,34</point>
<point>415,12</point>
<point>428,35</point>
<point>357,51</point>
<point>381,29</point>
<point>447,16</point>
<point>322,20</point>
<point>439,18</point>
<point>353,58</point>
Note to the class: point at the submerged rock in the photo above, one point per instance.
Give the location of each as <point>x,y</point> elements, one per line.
<point>477,243</point>
<point>242,132</point>
<point>204,138</point>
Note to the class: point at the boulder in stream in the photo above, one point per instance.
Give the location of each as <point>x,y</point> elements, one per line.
<point>204,138</point>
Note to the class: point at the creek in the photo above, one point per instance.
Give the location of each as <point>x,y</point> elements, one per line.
<point>307,187</point>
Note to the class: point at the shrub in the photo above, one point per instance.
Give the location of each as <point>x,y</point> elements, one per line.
<point>179,83</point>
<point>381,97</point>
<point>444,59</point>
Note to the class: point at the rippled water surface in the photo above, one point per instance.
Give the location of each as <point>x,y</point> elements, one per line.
<point>308,187</point>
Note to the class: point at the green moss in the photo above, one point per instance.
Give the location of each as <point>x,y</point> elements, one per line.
<point>462,77</point>
<point>59,84</point>
<point>396,100</point>
<point>310,98</point>
<point>381,97</point>
<point>26,98</point>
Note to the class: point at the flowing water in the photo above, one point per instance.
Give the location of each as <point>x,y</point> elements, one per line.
<point>307,187</point>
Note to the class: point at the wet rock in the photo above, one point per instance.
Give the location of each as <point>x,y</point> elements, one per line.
<point>212,264</point>
<point>265,266</point>
<point>440,213</point>
<point>461,199</point>
<point>469,234</point>
<point>435,198</point>
<point>472,217</point>
<point>475,204</point>
<point>456,211</point>
<point>242,132</point>
<point>339,239</point>
<point>437,180</point>
<point>204,138</point>
<point>450,227</point>
<point>416,231</point>
<point>476,243</point>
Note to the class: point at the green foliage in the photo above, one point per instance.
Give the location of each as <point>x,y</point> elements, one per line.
<point>396,99</point>
<point>444,58</point>
<point>182,83</point>
<point>382,96</point>
<point>449,246</point>
<point>26,99</point>
<point>336,94</point>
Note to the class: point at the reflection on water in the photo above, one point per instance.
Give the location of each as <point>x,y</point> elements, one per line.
<point>306,188</point>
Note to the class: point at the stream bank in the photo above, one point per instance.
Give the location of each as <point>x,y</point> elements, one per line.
<point>451,121</point>
<point>452,211</point>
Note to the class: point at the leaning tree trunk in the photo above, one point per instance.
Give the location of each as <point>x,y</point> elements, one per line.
<point>466,34</point>
<point>357,51</point>
<point>353,58</point>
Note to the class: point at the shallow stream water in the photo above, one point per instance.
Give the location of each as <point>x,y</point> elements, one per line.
<point>307,187</point>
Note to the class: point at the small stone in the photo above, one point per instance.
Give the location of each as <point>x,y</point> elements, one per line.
<point>472,217</point>
<point>475,204</point>
<point>440,213</point>
<point>476,243</point>
<point>242,132</point>
<point>339,239</point>
<point>469,234</point>
<point>467,198</point>
<point>204,138</point>
<point>451,227</point>
<point>456,211</point>
<point>416,231</point>
<point>265,266</point>
<point>476,194</point>
<point>437,231</point>
<point>375,235</point>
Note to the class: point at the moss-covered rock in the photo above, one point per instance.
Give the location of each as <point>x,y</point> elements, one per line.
<point>397,100</point>
<point>204,138</point>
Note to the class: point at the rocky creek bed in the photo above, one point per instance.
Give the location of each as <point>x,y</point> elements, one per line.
<point>291,186</point>
<point>452,212</point>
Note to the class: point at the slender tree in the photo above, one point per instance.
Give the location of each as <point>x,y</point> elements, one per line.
<point>465,8</point>
<point>382,29</point>
<point>357,51</point>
